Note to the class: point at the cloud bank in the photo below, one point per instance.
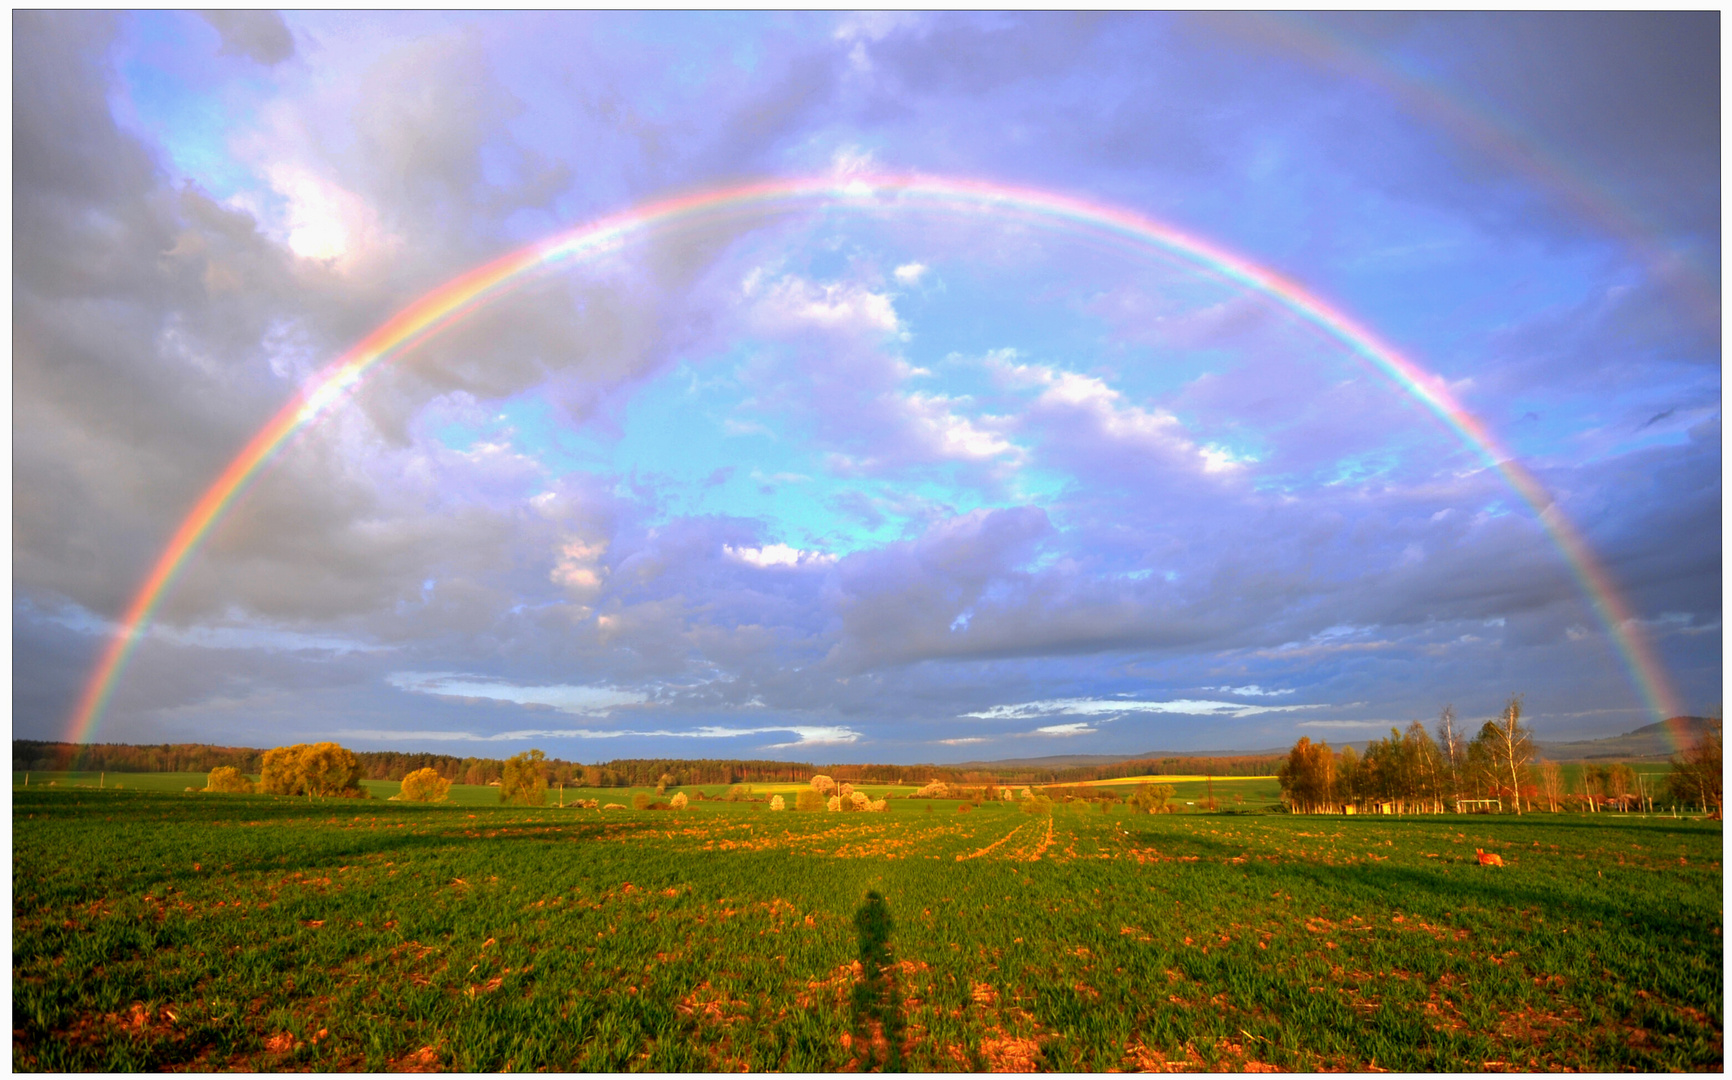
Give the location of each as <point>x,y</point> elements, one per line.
<point>875,482</point>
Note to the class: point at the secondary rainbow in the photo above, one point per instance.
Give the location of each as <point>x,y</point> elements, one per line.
<point>451,301</point>
<point>1475,124</point>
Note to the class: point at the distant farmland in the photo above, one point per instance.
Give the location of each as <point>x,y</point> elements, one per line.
<point>159,930</point>
<point>1189,778</point>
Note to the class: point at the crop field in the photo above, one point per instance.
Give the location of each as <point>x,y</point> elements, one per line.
<point>153,781</point>
<point>162,930</point>
<point>1161,778</point>
<point>1240,792</point>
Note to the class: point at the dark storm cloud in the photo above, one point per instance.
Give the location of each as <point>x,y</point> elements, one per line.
<point>1631,96</point>
<point>1611,119</point>
<point>154,329</point>
<point>424,116</point>
<point>260,35</point>
<point>129,413</point>
<point>137,311</point>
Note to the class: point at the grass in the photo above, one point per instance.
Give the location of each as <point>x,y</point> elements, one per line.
<point>1230,792</point>
<point>460,794</point>
<point>164,781</point>
<point>161,930</point>
<point>1157,778</point>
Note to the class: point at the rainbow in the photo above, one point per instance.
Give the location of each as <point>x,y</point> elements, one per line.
<point>455,299</point>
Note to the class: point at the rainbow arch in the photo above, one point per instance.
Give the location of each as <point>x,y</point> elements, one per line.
<point>462,295</point>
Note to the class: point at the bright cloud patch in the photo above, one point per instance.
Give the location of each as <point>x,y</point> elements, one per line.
<point>804,736</point>
<point>790,304</point>
<point>1099,707</point>
<point>324,221</point>
<point>1222,459</point>
<point>933,419</point>
<point>777,555</point>
<point>910,273</point>
<point>577,567</point>
<point>1086,412</point>
<point>577,700</point>
<point>1248,691</point>
<point>1077,728</point>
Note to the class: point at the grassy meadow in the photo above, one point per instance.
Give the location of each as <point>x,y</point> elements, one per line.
<point>156,929</point>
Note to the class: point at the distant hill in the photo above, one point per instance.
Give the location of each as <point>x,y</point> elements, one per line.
<point>1650,743</point>
<point>1055,762</point>
<point>1063,761</point>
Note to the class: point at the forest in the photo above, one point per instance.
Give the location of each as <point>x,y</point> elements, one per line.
<point>33,755</point>
<point>1411,772</point>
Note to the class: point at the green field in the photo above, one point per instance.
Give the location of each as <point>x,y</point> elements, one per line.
<point>154,929</point>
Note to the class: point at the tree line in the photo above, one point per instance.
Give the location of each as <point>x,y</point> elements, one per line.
<point>1243,765</point>
<point>31,755</point>
<point>328,770</point>
<point>1411,772</point>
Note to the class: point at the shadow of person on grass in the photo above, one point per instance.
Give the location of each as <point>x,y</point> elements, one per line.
<point>877,1021</point>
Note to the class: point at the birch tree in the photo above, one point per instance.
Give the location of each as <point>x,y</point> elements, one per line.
<point>1449,742</point>
<point>1308,777</point>
<point>1696,774</point>
<point>1428,766</point>
<point>525,780</point>
<point>1508,749</point>
<point>1552,783</point>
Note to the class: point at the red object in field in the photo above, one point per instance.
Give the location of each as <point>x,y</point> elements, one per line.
<point>1488,860</point>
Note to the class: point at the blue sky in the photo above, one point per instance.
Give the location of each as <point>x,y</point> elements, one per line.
<point>830,485</point>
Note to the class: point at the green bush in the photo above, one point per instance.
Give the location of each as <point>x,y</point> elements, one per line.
<point>312,769</point>
<point>425,785</point>
<point>525,781</point>
<point>809,799</point>
<point>228,780</point>
<point>1151,798</point>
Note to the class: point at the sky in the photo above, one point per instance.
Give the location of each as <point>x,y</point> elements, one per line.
<point>840,480</point>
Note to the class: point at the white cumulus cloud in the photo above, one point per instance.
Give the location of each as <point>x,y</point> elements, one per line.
<point>791,303</point>
<point>1076,728</point>
<point>777,555</point>
<point>1248,691</point>
<point>324,221</point>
